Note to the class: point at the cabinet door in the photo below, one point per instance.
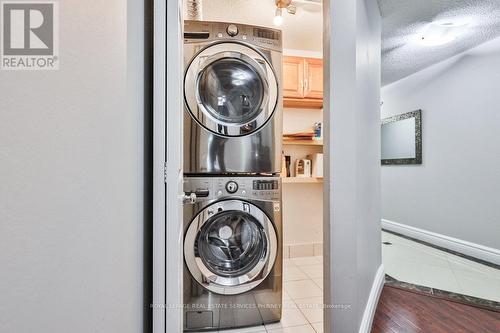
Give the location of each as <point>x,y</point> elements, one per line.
<point>313,85</point>
<point>293,77</point>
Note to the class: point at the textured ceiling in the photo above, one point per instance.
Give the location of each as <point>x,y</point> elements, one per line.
<point>403,20</point>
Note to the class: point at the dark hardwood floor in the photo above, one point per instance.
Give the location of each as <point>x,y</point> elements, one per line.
<point>404,311</point>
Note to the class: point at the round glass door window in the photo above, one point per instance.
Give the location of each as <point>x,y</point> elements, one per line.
<point>231,243</point>
<point>231,90</point>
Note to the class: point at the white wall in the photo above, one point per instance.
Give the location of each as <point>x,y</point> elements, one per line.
<point>301,31</point>
<point>352,221</point>
<point>455,192</point>
<point>71,193</point>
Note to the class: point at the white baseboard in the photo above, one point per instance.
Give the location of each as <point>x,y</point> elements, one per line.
<point>371,305</point>
<point>454,244</point>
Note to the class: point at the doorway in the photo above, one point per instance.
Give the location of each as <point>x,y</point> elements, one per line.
<point>352,241</point>
<point>439,206</point>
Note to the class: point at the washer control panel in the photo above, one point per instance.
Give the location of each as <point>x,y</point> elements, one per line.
<point>209,188</point>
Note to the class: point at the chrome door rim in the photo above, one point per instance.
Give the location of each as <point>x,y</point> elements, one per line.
<point>229,285</point>
<point>250,56</point>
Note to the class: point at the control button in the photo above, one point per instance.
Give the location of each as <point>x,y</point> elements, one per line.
<point>232,30</point>
<point>219,193</point>
<point>244,37</point>
<point>243,192</point>
<point>219,34</point>
<point>231,187</point>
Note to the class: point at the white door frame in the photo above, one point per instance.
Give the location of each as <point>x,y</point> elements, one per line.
<point>167,217</point>
<point>167,167</point>
<point>159,98</point>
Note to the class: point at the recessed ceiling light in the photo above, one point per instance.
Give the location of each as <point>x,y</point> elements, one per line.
<point>439,33</point>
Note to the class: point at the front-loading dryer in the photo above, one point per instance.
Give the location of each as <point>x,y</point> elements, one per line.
<point>232,98</point>
<point>232,252</point>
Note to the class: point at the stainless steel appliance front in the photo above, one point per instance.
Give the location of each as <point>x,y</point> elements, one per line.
<point>232,252</point>
<point>232,99</point>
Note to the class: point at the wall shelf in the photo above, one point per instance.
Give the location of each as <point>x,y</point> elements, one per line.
<point>307,103</point>
<point>303,142</point>
<point>301,180</point>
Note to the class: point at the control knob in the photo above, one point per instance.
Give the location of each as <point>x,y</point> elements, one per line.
<point>232,30</point>
<point>231,187</point>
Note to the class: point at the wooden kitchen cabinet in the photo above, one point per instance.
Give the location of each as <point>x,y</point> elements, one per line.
<point>293,77</point>
<point>302,82</point>
<point>314,83</point>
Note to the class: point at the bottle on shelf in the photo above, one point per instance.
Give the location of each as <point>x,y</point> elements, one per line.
<point>317,131</point>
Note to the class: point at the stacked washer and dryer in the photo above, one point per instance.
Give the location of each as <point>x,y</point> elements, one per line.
<point>232,161</point>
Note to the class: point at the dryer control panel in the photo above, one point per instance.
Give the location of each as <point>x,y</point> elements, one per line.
<point>196,31</point>
<point>210,188</point>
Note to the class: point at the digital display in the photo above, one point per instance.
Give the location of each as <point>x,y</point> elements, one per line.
<point>262,185</point>
<point>266,33</point>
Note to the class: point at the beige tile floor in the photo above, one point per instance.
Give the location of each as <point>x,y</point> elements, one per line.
<point>302,299</point>
<point>416,263</point>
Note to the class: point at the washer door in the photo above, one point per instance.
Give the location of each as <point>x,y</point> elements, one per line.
<point>230,89</point>
<point>230,247</point>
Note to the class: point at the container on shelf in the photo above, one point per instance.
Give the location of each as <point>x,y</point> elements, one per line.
<point>302,168</point>
<point>317,164</point>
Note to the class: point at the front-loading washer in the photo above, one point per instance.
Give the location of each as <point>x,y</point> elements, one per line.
<point>232,252</point>
<point>232,98</point>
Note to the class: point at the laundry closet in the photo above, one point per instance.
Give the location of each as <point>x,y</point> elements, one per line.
<point>253,164</point>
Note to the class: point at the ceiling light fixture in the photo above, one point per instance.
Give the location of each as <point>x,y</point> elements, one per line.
<point>439,33</point>
<point>278,14</point>
<point>278,17</point>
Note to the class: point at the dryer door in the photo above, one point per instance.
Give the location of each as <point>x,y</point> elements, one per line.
<point>230,247</point>
<point>230,89</point>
